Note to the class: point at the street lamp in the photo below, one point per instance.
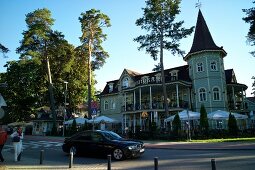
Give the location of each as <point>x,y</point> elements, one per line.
<point>65,108</point>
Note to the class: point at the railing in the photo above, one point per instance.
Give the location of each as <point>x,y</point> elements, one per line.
<point>155,105</point>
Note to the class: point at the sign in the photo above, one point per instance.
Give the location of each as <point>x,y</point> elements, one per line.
<point>94,105</point>
<point>94,111</point>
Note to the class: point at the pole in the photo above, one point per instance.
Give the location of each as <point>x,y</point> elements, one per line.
<point>41,156</point>
<point>213,162</point>
<point>64,108</point>
<point>188,125</point>
<point>71,160</point>
<point>156,163</point>
<point>109,162</point>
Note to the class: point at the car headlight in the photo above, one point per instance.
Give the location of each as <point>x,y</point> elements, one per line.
<point>133,147</point>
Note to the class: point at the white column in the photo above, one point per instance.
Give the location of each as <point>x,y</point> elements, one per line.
<point>134,122</point>
<point>177,95</point>
<point>150,99</point>
<point>233,95</point>
<point>140,98</point>
<point>140,119</point>
<point>125,101</point>
<point>134,101</point>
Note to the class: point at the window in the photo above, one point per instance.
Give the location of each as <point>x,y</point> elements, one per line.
<point>106,105</point>
<point>112,104</point>
<point>125,82</point>
<point>173,76</point>
<point>200,67</point>
<point>110,88</point>
<point>202,95</point>
<point>213,66</point>
<point>216,94</point>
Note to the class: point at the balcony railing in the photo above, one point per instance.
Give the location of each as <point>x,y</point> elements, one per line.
<point>155,106</point>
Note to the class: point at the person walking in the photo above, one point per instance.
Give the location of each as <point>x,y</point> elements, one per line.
<point>3,139</point>
<point>17,138</point>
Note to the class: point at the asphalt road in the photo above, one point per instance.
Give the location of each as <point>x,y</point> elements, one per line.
<point>179,159</point>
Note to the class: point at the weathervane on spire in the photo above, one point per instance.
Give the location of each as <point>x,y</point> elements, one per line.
<point>198,4</point>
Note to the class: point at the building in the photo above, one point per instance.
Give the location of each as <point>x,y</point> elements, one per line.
<point>137,99</point>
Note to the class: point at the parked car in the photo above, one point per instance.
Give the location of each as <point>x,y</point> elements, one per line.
<point>99,142</point>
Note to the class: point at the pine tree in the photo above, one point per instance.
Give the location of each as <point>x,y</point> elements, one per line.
<point>232,125</point>
<point>176,124</point>
<point>204,125</point>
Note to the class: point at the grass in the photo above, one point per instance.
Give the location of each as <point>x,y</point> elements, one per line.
<point>252,139</point>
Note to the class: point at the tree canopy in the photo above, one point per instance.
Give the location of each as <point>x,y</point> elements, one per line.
<point>164,33</point>
<point>250,18</point>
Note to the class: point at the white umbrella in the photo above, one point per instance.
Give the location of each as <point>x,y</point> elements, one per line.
<point>220,114</point>
<point>102,119</point>
<point>79,120</point>
<point>184,116</point>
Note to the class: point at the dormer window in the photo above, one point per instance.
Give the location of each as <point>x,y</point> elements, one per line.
<point>110,87</point>
<point>173,75</point>
<point>200,67</point>
<point>125,82</point>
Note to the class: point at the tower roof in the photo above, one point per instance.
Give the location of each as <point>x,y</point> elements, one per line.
<point>203,40</point>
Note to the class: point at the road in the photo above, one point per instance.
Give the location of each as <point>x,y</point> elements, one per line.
<point>179,159</point>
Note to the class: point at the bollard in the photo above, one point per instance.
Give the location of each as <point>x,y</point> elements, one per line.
<point>41,156</point>
<point>213,164</point>
<point>71,160</point>
<point>156,163</point>
<point>109,162</point>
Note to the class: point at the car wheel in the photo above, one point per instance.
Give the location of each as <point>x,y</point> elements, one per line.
<point>118,154</point>
<point>74,150</point>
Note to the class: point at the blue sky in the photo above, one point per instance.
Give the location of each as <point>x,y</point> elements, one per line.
<point>224,19</point>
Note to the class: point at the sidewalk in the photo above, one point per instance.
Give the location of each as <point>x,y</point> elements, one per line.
<point>33,163</point>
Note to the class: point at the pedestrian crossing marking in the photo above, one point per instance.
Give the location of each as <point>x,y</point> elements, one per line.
<point>34,145</point>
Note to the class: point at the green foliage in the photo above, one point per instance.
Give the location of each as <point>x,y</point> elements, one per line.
<point>159,20</point>
<point>232,125</point>
<point>250,18</point>
<point>253,85</point>
<point>204,125</point>
<point>26,89</point>
<point>92,22</point>
<point>3,49</point>
<point>177,125</point>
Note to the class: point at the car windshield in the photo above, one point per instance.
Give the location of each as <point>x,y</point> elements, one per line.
<point>112,136</point>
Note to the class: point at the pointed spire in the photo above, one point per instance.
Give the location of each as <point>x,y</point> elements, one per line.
<point>203,40</point>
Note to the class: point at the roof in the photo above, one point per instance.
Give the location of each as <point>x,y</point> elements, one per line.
<point>203,40</point>
<point>183,75</point>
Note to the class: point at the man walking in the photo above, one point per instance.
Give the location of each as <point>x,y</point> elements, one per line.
<point>3,138</point>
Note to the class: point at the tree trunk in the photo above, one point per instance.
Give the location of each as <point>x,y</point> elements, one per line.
<point>89,80</point>
<point>162,71</point>
<point>52,101</point>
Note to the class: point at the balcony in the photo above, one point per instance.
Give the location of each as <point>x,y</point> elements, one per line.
<point>155,106</point>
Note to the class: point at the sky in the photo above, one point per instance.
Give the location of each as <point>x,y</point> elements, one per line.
<point>223,18</point>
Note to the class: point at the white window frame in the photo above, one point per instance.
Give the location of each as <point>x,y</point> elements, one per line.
<point>213,66</point>
<point>202,94</point>
<point>200,67</point>
<point>125,82</point>
<point>216,94</point>
<point>110,88</point>
<point>106,105</point>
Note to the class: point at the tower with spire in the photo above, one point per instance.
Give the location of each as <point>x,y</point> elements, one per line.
<point>206,69</point>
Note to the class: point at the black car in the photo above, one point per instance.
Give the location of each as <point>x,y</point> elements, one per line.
<point>101,142</point>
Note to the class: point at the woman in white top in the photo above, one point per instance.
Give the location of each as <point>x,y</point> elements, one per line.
<point>17,144</point>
